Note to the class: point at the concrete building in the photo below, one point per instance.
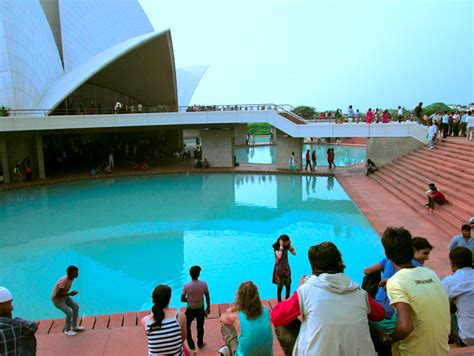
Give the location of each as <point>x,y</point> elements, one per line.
<point>68,57</point>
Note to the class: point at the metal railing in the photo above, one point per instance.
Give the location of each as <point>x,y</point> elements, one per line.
<point>144,109</point>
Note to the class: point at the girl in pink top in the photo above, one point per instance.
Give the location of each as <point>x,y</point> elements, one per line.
<point>370,116</point>
<point>386,117</point>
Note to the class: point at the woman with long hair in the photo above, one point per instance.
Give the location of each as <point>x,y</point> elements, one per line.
<point>246,325</point>
<point>282,271</point>
<point>165,328</point>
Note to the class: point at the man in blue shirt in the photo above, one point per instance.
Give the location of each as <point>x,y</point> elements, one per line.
<point>464,239</point>
<point>460,289</point>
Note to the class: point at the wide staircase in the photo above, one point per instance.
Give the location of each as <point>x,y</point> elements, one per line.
<point>450,166</point>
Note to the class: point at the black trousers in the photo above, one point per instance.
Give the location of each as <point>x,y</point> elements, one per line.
<point>445,130</point>
<point>199,315</point>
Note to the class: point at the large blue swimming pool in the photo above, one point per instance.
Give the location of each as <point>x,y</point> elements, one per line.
<point>128,235</point>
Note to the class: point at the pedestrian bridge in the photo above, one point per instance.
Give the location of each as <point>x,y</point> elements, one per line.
<point>287,122</point>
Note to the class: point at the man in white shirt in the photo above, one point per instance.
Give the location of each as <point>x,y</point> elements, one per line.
<point>464,118</point>
<point>470,126</point>
<point>432,135</point>
<point>460,289</point>
<point>400,113</point>
<point>445,121</point>
<point>350,114</point>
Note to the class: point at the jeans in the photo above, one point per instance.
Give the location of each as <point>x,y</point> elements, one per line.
<point>71,309</point>
<point>199,315</point>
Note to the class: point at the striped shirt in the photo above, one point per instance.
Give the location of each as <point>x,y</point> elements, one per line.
<point>167,339</point>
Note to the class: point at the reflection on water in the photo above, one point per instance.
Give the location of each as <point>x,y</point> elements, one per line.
<point>344,155</point>
<point>127,235</point>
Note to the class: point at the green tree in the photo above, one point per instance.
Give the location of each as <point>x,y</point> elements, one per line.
<point>436,107</point>
<point>306,112</point>
<point>259,128</point>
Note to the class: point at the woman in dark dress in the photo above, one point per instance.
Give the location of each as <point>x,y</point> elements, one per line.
<point>281,271</point>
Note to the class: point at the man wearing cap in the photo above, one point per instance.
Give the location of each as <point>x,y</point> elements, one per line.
<point>17,336</point>
<point>61,298</point>
<point>193,294</point>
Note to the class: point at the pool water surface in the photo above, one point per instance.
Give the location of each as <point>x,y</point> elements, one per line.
<point>127,235</point>
<point>344,155</point>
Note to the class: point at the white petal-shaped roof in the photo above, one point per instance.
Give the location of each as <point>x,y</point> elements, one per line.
<point>89,27</point>
<point>29,59</point>
<point>159,64</point>
<point>188,79</point>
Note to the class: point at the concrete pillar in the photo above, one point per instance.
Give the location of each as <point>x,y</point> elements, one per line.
<point>40,156</point>
<point>4,156</point>
<point>240,134</point>
<point>274,132</point>
<point>286,145</point>
<point>218,147</point>
<point>382,150</point>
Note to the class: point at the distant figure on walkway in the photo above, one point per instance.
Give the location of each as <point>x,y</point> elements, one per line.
<point>118,107</point>
<point>61,298</point>
<point>246,325</point>
<point>400,114</point>
<point>460,289</point>
<point>434,196</point>
<point>205,163</point>
<point>370,167</point>
<point>432,134</point>
<point>17,336</point>
<point>17,172</point>
<point>445,121</point>
<point>386,116</point>
<point>27,166</point>
<point>331,156</point>
<point>111,159</point>
<point>418,111</point>
<point>370,116</point>
<point>165,328</point>
<point>357,116</point>
<point>313,159</point>
<point>350,114</point>
<point>193,293</point>
<point>470,126</point>
<point>308,161</point>
<point>281,270</point>
<point>292,162</point>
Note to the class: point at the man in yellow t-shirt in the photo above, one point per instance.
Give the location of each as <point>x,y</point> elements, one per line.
<point>423,319</point>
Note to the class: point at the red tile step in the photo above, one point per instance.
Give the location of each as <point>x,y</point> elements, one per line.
<point>407,193</point>
<point>459,204</point>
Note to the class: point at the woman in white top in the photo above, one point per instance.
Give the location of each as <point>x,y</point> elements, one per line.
<point>165,328</point>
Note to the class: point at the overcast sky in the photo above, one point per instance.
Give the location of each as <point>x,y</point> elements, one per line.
<point>324,53</point>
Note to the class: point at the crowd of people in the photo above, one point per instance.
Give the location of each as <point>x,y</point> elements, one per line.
<point>402,308</point>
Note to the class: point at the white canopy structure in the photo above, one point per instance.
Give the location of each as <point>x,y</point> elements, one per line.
<point>71,54</point>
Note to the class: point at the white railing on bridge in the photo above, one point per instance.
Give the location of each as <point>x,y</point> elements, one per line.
<point>213,118</point>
